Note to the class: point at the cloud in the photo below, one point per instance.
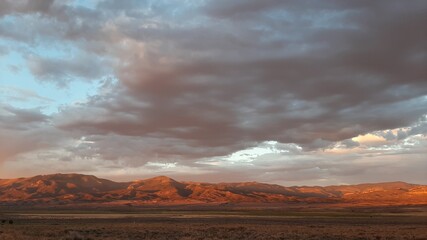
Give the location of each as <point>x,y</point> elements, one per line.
<point>61,71</point>
<point>12,117</point>
<point>25,130</point>
<point>349,143</point>
<point>22,95</point>
<point>25,6</point>
<point>211,78</point>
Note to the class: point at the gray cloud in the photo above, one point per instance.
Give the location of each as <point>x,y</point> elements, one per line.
<point>213,77</point>
<point>25,6</point>
<point>61,71</point>
<point>20,118</point>
<point>350,143</point>
<point>325,84</point>
<point>25,130</point>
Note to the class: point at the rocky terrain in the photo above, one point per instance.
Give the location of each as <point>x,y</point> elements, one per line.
<point>69,189</point>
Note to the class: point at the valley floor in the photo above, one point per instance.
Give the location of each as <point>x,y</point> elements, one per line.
<point>216,225</point>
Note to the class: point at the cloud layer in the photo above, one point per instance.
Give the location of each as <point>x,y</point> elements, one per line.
<point>188,84</point>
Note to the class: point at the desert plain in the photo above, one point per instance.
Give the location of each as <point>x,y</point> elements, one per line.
<point>213,222</point>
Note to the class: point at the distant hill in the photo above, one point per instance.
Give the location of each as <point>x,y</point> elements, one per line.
<point>69,189</point>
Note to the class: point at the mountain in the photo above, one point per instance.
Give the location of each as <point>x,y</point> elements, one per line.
<point>69,189</point>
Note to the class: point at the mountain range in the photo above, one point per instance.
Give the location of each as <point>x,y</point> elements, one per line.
<point>69,189</point>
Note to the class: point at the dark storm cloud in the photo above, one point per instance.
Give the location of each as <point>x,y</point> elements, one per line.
<point>235,83</point>
<point>420,128</point>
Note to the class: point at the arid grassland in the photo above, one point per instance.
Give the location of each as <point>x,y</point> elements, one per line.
<point>254,224</point>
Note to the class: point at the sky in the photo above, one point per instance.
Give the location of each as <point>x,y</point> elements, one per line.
<point>301,92</point>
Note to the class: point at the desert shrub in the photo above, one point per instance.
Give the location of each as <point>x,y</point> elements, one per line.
<point>73,235</point>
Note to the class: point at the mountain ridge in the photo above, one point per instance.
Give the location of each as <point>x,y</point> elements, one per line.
<point>73,188</point>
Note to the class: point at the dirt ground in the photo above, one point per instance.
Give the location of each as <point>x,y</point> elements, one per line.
<point>214,225</point>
